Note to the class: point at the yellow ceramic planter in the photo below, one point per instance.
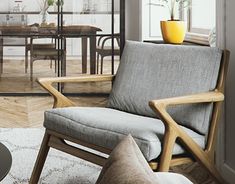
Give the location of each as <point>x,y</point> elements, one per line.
<point>173,31</point>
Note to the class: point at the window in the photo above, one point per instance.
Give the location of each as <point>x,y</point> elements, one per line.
<point>151,17</point>
<point>201,19</point>
<point>202,16</point>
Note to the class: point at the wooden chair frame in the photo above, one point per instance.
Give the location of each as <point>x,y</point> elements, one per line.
<point>172,130</point>
<point>46,47</point>
<point>36,46</point>
<point>102,51</point>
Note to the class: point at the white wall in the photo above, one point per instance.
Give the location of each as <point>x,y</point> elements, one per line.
<point>133,21</point>
<point>143,23</point>
<point>230,94</point>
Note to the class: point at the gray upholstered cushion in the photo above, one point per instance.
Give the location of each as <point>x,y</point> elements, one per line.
<point>126,166</point>
<point>151,71</point>
<point>106,127</point>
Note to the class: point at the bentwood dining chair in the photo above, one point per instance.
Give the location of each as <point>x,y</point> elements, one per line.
<point>37,46</point>
<point>104,49</point>
<point>167,97</point>
<point>46,52</point>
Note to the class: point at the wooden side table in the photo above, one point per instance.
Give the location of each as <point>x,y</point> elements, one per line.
<point>5,161</point>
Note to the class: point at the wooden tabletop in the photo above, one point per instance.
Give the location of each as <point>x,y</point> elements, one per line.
<point>31,30</point>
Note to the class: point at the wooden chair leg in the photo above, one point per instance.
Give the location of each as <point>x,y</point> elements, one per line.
<point>168,146</point>
<point>42,155</point>
<point>26,60</point>
<point>55,66</point>
<point>102,62</point>
<point>63,63</point>
<point>97,65</point>
<point>203,159</point>
<point>214,173</point>
<point>31,68</point>
<point>50,64</point>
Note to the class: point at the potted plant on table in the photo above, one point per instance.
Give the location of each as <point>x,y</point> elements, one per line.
<point>173,30</point>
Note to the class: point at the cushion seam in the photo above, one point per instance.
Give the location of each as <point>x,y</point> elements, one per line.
<point>139,139</point>
<point>105,129</point>
<point>99,128</point>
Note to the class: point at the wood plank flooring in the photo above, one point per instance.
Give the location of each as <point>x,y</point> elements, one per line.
<point>27,112</point>
<point>15,80</point>
<point>21,112</point>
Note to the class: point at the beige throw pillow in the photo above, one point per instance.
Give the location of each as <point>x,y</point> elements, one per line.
<point>126,165</point>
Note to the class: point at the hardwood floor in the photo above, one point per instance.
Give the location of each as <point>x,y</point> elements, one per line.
<point>27,112</point>
<point>22,112</point>
<point>15,80</point>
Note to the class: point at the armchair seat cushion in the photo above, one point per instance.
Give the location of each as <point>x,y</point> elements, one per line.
<point>105,127</point>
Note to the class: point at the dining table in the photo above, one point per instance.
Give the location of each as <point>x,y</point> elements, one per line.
<point>84,32</point>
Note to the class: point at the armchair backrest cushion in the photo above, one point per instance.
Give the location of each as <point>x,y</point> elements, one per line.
<point>151,71</point>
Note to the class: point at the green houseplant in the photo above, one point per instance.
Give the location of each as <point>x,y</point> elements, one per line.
<point>173,30</point>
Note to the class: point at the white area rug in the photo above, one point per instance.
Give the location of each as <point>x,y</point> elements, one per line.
<point>60,168</point>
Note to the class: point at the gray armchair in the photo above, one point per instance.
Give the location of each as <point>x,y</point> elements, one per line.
<point>187,80</point>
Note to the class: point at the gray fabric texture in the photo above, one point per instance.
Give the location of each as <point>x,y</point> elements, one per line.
<point>106,127</point>
<point>151,71</point>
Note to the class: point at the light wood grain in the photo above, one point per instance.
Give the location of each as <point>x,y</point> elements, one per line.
<point>28,112</point>
<point>15,80</point>
<point>40,160</point>
<point>60,144</point>
<point>59,99</point>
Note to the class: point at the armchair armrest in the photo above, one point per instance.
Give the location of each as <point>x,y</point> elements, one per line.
<point>213,96</point>
<point>59,99</point>
<point>174,131</point>
<point>160,106</point>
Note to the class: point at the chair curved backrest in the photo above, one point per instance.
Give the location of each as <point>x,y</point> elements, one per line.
<point>104,48</point>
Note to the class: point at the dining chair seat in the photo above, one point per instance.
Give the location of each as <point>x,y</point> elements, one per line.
<point>46,51</point>
<point>36,46</point>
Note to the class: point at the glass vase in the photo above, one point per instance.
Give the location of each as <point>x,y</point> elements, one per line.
<point>44,15</point>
